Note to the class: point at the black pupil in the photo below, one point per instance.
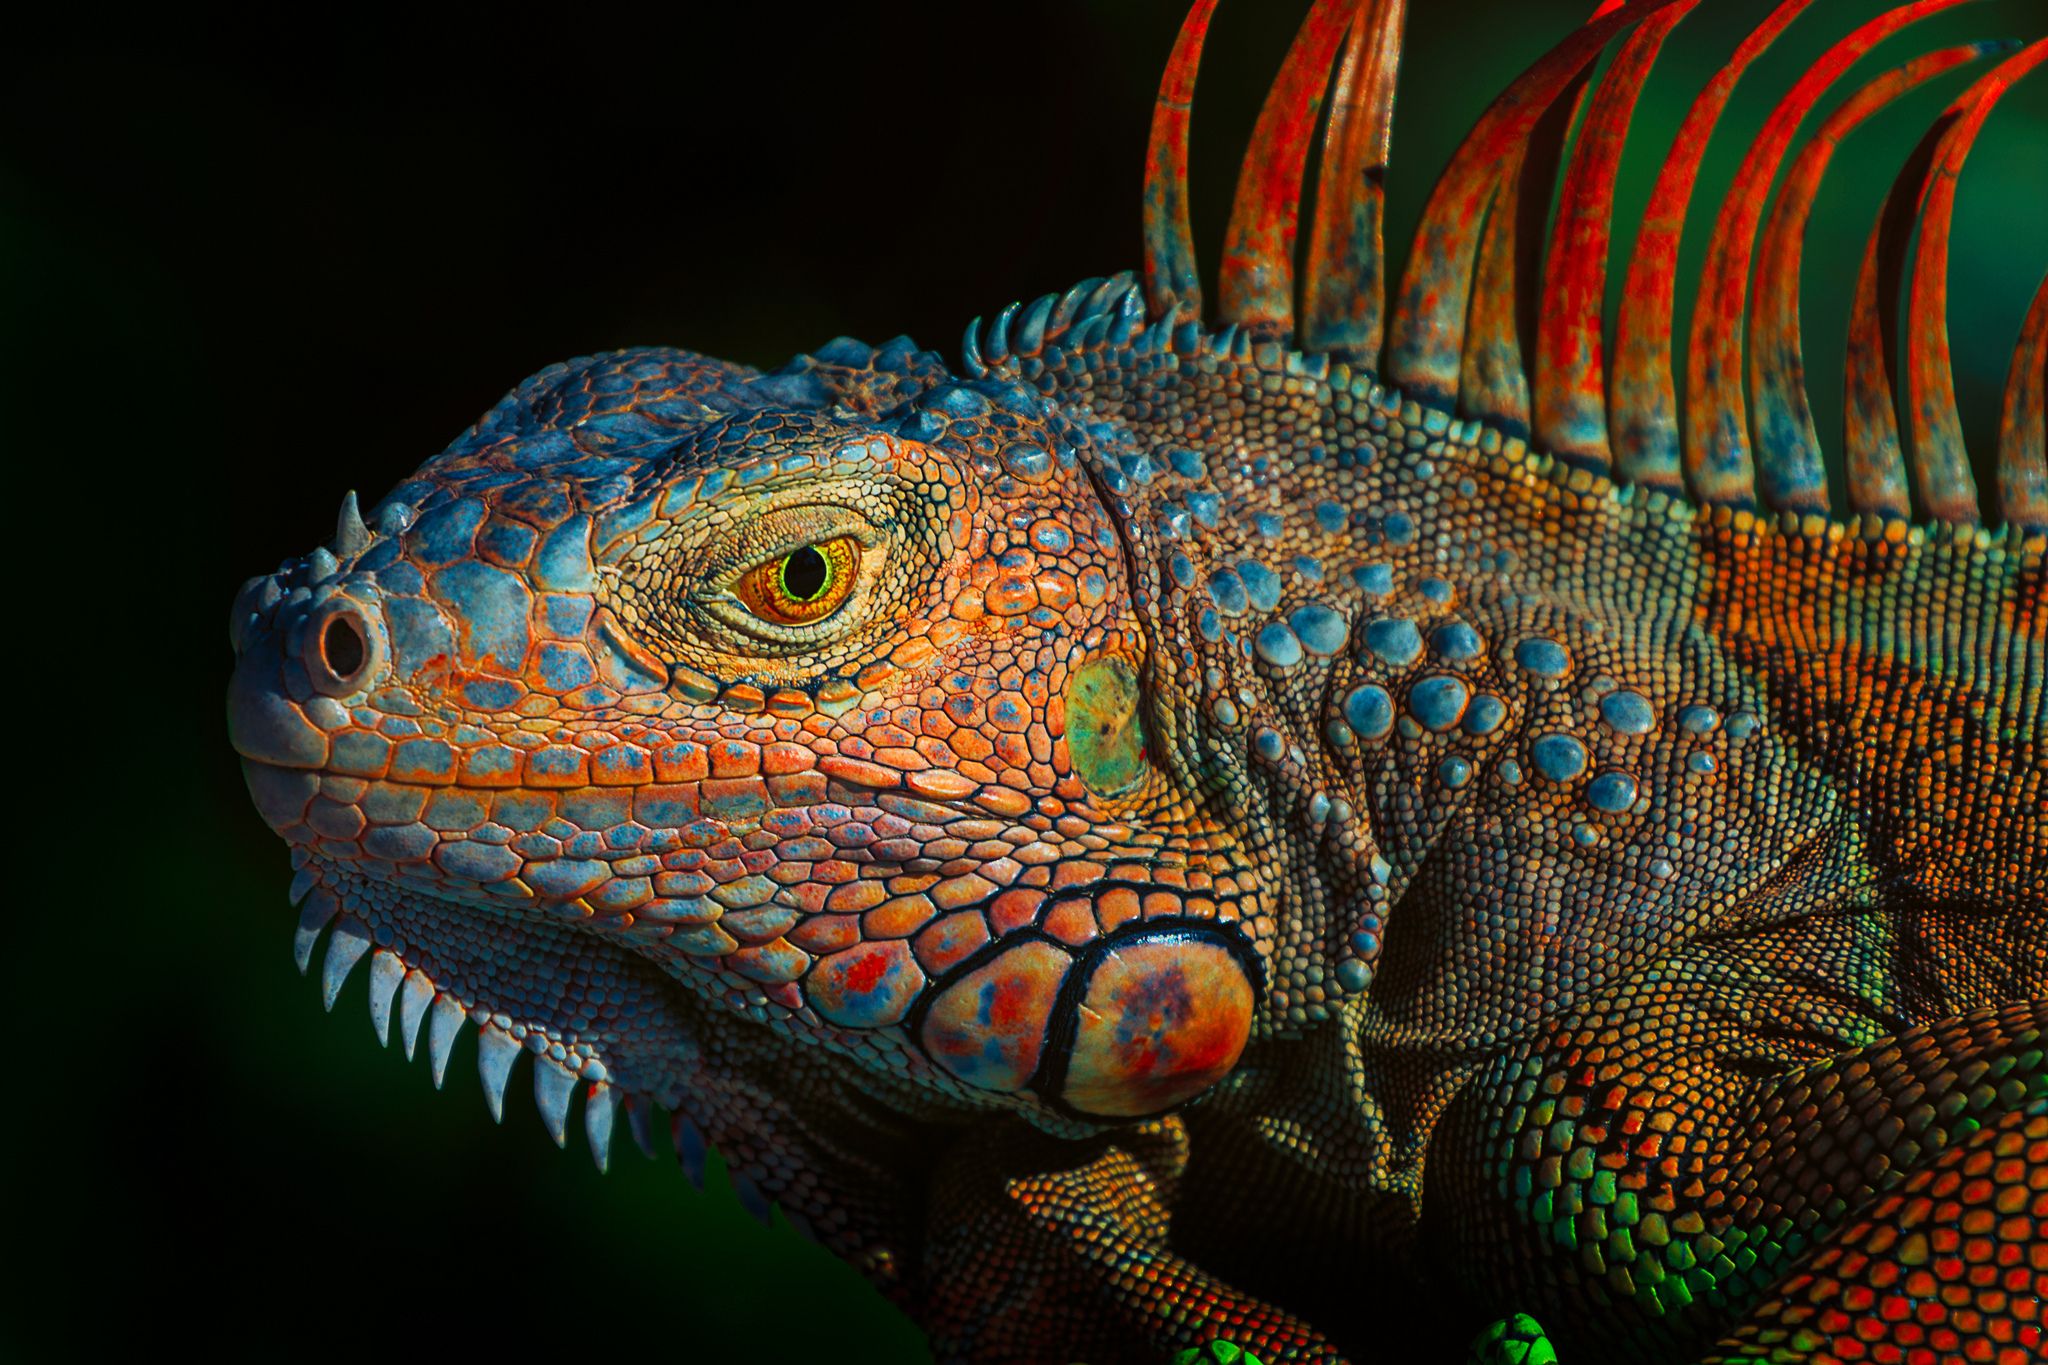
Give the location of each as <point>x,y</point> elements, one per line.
<point>803,574</point>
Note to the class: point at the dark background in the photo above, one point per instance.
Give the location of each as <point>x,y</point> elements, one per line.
<point>250,263</point>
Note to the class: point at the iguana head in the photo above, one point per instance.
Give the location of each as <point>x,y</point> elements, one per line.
<point>821,694</point>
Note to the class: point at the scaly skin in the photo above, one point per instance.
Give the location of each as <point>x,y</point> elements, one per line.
<point>1249,853</point>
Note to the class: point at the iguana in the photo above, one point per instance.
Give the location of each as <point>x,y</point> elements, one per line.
<point>1198,830</point>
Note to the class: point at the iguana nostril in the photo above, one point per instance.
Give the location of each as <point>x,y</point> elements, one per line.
<point>343,647</point>
<point>343,651</point>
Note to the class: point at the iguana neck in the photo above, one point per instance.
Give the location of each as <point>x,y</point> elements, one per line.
<point>1292,602</point>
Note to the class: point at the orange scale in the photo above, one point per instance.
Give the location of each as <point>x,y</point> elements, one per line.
<point>744,698</point>
<point>968,605</point>
<point>790,704</point>
<point>898,918</point>
<point>809,898</point>
<point>1076,872</point>
<point>782,758</point>
<point>947,942</point>
<point>843,875</point>
<point>940,784</point>
<point>1117,907</point>
<point>1002,801</point>
<point>989,1027</point>
<point>969,744</point>
<point>1072,921</point>
<point>1014,909</point>
<point>956,892</point>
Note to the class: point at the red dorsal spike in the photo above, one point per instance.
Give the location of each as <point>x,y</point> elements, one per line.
<point>1344,284</point>
<point>1570,377</point>
<point>1492,386</point>
<point>1425,336</point>
<point>1716,451</point>
<point>2022,428</point>
<point>1941,467</point>
<point>1790,473</point>
<point>1641,403</point>
<point>1873,465</point>
<point>1256,280</point>
<point>1493,383</point>
<point>1171,283</point>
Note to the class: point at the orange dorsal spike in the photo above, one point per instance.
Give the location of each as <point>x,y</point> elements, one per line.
<point>2022,424</point>
<point>1172,285</point>
<point>1642,403</point>
<point>1344,277</point>
<point>1570,389</point>
<point>1255,282</point>
<point>1941,466</point>
<point>1425,335</point>
<point>1716,455</point>
<point>2022,428</point>
<point>1791,476</point>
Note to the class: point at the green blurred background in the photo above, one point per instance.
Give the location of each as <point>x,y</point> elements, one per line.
<point>252,262</point>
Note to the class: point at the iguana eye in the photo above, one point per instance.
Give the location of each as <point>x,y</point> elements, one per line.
<point>803,586</point>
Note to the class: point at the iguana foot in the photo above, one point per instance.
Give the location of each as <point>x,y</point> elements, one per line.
<point>1515,1340</point>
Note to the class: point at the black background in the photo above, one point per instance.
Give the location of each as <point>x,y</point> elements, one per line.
<point>252,262</point>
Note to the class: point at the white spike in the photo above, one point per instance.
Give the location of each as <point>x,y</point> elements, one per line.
<point>690,1146</point>
<point>313,916</point>
<point>413,998</point>
<point>444,1025</point>
<point>496,1050</point>
<point>351,537</point>
<point>752,1198</point>
<point>640,1122</point>
<point>302,881</point>
<point>386,971</point>
<point>346,946</point>
<point>553,1087</point>
<point>600,1106</point>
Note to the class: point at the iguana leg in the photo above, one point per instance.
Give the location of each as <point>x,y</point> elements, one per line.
<point>1040,1250</point>
<point>1951,1265</point>
<point>1663,1162</point>
<point>1516,1340</point>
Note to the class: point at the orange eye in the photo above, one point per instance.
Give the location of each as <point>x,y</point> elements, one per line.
<point>802,586</point>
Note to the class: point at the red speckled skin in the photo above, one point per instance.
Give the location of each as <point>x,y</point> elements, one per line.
<point>1246,853</point>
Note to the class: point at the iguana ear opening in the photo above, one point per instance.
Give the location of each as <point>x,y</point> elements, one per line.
<point>1106,727</point>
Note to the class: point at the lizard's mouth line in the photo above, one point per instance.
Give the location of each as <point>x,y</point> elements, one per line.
<point>597,1021</point>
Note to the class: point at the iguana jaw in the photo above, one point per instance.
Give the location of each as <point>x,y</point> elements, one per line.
<point>597,1020</point>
